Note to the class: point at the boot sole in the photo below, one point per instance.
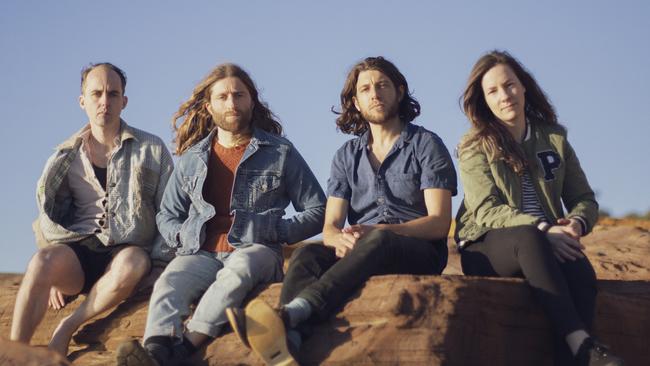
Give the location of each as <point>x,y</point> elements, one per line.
<point>266,334</point>
<point>234,324</point>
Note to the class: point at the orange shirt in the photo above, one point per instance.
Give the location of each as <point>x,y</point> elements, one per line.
<point>216,191</point>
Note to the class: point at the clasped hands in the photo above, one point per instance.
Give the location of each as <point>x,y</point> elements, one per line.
<point>564,237</point>
<point>345,241</point>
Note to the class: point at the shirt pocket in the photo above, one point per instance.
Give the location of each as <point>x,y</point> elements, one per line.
<point>146,181</point>
<point>405,188</point>
<point>264,191</point>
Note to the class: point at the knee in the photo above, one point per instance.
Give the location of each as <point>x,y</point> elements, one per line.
<point>129,266</point>
<point>235,277</point>
<point>43,264</point>
<point>529,238</point>
<point>310,253</point>
<point>376,240</point>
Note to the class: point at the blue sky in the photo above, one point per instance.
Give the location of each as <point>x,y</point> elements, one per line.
<point>591,57</point>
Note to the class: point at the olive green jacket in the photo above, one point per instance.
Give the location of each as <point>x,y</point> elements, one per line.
<point>493,196</point>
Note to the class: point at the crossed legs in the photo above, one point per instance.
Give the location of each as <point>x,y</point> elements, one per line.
<point>58,267</point>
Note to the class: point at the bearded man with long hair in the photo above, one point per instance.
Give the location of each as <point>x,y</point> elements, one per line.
<point>222,213</point>
<point>393,183</point>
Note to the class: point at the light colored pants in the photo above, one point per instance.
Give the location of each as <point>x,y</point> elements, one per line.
<point>224,279</point>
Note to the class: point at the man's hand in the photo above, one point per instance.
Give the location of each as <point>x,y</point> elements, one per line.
<point>344,242</point>
<point>564,244</point>
<point>57,300</point>
<point>359,231</point>
<point>571,227</point>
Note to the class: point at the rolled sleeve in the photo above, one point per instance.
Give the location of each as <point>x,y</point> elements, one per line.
<point>437,167</point>
<point>338,184</point>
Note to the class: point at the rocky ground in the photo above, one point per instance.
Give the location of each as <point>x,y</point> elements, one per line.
<point>406,320</point>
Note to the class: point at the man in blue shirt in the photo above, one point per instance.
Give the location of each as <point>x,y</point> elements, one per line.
<point>394,185</point>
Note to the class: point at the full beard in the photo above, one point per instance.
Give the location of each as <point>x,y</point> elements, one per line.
<point>376,117</point>
<point>240,124</point>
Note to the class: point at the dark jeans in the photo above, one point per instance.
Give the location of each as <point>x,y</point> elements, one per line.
<point>566,291</point>
<point>325,281</point>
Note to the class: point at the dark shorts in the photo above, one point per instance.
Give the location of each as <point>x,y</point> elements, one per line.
<point>94,258</point>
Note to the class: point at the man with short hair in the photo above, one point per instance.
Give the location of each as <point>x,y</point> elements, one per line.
<point>393,183</point>
<point>223,212</point>
<point>97,200</point>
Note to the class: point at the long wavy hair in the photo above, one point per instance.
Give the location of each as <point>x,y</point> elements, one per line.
<point>197,122</point>
<point>487,132</point>
<point>350,120</point>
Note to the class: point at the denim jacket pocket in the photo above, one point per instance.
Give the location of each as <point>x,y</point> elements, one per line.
<point>405,187</point>
<point>263,190</point>
<point>249,227</point>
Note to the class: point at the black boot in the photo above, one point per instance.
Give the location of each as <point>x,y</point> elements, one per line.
<point>594,353</point>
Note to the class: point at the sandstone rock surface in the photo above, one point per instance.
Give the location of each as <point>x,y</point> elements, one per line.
<point>406,320</point>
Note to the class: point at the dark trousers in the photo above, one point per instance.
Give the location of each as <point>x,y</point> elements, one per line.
<point>566,291</point>
<point>325,281</point>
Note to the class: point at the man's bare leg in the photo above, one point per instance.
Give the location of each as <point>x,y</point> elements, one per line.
<point>55,266</point>
<point>122,275</point>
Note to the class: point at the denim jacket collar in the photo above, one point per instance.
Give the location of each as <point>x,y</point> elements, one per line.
<point>73,142</point>
<point>260,137</point>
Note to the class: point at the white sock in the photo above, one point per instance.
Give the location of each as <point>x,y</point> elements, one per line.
<point>575,339</point>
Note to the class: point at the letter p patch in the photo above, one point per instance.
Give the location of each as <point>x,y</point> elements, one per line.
<point>550,161</point>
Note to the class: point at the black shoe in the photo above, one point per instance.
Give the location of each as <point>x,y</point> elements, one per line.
<point>132,353</point>
<point>594,353</point>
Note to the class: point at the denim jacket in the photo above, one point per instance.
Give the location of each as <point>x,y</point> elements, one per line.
<point>271,174</point>
<point>137,174</point>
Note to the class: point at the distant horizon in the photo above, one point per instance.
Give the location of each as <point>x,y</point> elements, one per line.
<point>588,56</point>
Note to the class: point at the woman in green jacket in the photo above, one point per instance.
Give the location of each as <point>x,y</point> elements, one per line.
<point>517,169</point>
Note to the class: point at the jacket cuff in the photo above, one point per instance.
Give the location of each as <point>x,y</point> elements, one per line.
<point>282,231</point>
<point>543,226</point>
<point>583,223</point>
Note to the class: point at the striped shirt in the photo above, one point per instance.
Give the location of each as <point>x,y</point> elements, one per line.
<point>529,198</point>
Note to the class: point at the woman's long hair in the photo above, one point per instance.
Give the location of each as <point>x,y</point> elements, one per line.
<point>350,120</point>
<point>197,122</point>
<point>488,133</point>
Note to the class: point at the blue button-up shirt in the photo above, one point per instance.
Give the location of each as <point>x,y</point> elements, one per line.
<point>394,193</point>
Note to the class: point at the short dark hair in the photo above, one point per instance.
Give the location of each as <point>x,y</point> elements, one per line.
<point>350,120</point>
<point>87,69</point>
